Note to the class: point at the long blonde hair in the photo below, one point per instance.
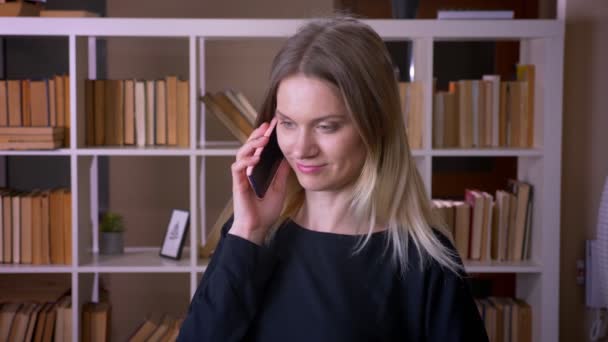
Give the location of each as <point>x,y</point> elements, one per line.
<point>350,55</point>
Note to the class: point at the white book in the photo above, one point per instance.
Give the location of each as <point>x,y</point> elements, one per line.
<point>472,14</point>
<point>140,113</point>
<point>150,113</point>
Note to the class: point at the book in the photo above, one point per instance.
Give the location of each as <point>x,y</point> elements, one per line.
<point>68,13</point>
<point>234,122</point>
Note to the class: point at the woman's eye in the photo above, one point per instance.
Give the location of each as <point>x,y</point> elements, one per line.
<point>287,124</point>
<point>328,128</point>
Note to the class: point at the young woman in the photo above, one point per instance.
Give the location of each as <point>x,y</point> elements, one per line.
<point>344,246</point>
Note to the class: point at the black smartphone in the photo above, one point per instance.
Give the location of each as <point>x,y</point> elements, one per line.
<point>261,175</point>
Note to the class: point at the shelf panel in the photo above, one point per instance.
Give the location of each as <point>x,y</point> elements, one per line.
<point>218,148</point>
<point>59,152</point>
<point>134,151</point>
<point>275,28</point>
<point>502,267</point>
<point>502,152</point>
<point>137,260</point>
<point>22,268</point>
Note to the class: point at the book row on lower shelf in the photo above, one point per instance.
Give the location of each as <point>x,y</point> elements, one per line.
<point>486,113</point>
<point>30,321</point>
<point>36,320</point>
<point>137,112</point>
<point>162,328</point>
<point>506,319</point>
<point>35,227</point>
<point>487,228</point>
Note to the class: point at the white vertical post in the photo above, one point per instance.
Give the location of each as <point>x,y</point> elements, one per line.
<point>193,79</point>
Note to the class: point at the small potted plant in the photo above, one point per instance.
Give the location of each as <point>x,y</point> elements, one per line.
<point>111,237</point>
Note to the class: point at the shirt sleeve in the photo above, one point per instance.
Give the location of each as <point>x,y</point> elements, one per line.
<point>230,291</point>
<point>451,312</point>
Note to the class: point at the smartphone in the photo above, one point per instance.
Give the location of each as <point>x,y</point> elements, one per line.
<point>261,175</point>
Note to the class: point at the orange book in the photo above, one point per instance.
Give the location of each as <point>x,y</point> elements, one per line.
<point>66,195</point>
<point>161,113</point>
<point>129,112</point>
<point>26,229</point>
<point>3,103</point>
<point>67,109</point>
<point>56,230</point>
<point>183,114</point>
<point>171,98</point>
<point>26,110</point>
<point>39,103</point>
<point>14,103</point>
<point>36,229</point>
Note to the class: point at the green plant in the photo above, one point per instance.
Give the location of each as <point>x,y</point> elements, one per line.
<point>111,223</point>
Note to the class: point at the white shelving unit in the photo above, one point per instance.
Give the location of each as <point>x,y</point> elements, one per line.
<point>542,43</point>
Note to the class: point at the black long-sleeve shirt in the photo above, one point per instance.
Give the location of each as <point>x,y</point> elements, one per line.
<point>307,286</point>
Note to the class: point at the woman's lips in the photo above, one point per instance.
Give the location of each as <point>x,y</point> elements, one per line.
<point>309,168</point>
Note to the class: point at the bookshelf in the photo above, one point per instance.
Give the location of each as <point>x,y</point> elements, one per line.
<point>541,43</point>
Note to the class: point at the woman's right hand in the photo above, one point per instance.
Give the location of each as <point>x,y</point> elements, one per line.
<point>253,217</point>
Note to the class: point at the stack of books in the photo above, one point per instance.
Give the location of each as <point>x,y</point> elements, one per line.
<point>31,138</point>
<point>233,110</point>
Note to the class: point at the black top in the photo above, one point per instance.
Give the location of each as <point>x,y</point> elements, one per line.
<point>307,286</point>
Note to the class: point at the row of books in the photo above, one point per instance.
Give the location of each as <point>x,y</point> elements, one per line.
<point>157,328</point>
<point>36,321</point>
<point>490,228</point>
<point>486,112</point>
<point>36,227</point>
<point>233,110</point>
<point>506,319</point>
<point>36,103</point>
<point>137,112</point>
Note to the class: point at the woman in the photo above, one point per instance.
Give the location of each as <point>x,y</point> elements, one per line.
<point>345,250</point>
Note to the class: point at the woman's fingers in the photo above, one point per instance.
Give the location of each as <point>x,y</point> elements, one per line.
<point>238,168</point>
<point>256,140</point>
<point>250,147</point>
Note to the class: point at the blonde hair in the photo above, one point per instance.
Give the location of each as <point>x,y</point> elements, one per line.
<point>350,55</point>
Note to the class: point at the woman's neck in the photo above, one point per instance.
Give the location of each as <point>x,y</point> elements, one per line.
<point>330,212</point>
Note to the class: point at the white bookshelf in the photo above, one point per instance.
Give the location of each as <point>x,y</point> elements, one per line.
<point>542,44</point>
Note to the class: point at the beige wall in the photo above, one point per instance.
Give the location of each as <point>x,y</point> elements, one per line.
<point>585,161</point>
<point>585,150</point>
<point>146,189</point>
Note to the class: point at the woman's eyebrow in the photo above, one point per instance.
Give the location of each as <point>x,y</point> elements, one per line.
<point>330,116</point>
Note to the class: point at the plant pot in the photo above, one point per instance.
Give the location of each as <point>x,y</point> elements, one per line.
<point>111,243</point>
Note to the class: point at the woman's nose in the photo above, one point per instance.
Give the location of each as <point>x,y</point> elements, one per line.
<point>305,146</point>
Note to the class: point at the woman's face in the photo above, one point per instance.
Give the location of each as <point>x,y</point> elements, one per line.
<point>316,134</point>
